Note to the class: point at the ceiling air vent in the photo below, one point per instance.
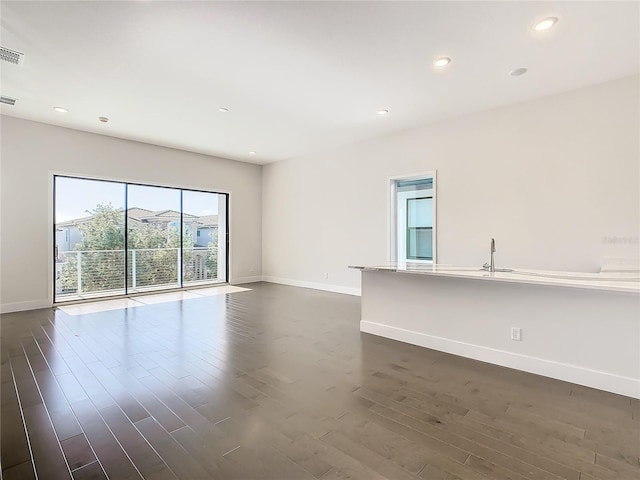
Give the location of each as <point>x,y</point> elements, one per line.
<point>7,100</point>
<point>11,56</point>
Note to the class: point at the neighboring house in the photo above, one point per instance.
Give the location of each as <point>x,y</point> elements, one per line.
<point>164,219</point>
<point>207,231</point>
<point>68,234</point>
<point>204,229</point>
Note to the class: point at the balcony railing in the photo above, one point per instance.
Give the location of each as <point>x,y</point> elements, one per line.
<point>93,273</point>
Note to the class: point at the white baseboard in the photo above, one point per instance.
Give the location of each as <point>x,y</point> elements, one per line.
<point>241,280</point>
<point>316,286</point>
<point>22,306</point>
<point>609,382</point>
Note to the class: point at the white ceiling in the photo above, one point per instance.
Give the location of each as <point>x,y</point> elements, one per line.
<point>297,77</point>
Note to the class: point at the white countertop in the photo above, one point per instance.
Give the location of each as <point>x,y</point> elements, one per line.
<point>609,281</point>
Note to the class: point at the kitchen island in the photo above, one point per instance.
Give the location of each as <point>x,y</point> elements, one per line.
<point>578,327</point>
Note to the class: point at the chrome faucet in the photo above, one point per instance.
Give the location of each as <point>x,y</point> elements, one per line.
<point>491,266</point>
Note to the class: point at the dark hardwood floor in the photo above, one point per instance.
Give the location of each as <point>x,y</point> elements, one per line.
<point>278,383</point>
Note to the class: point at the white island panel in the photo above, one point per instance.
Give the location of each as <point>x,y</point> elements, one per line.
<point>588,336</point>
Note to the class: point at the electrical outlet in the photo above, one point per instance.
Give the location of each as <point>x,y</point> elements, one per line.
<point>516,334</point>
<point>252,269</point>
<point>326,276</point>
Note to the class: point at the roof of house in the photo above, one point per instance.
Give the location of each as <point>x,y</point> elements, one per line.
<point>73,222</point>
<point>144,215</point>
<point>138,213</point>
<point>208,220</point>
<point>167,214</point>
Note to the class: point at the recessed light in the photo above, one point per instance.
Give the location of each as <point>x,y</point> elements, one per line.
<point>382,112</point>
<point>60,109</point>
<point>223,109</point>
<point>441,62</point>
<point>516,72</point>
<point>545,24</point>
<point>103,119</point>
<point>252,153</point>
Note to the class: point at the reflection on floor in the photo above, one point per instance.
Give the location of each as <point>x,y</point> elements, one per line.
<point>116,304</point>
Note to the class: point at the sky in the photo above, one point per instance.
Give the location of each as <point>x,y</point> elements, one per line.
<point>75,196</point>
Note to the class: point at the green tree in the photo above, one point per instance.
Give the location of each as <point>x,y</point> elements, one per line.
<point>153,253</point>
<point>102,257</point>
<point>104,230</point>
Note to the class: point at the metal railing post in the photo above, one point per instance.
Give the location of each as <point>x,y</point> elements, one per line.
<point>179,255</point>
<point>134,273</point>
<point>79,270</point>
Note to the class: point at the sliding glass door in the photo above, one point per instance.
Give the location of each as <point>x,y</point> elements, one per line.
<point>204,246</point>
<point>89,238</point>
<point>153,238</point>
<point>169,238</point>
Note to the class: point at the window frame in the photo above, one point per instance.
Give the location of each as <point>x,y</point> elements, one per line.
<point>227,248</point>
<point>396,237</point>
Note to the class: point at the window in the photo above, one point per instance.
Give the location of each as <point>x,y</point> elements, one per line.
<point>413,219</point>
<point>115,238</point>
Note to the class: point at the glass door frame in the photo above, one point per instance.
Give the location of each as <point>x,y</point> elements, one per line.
<point>126,184</point>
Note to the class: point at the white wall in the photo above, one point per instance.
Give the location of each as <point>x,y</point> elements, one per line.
<point>31,152</point>
<point>549,179</point>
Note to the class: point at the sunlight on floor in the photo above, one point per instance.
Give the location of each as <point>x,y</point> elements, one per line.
<point>106,305</point>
